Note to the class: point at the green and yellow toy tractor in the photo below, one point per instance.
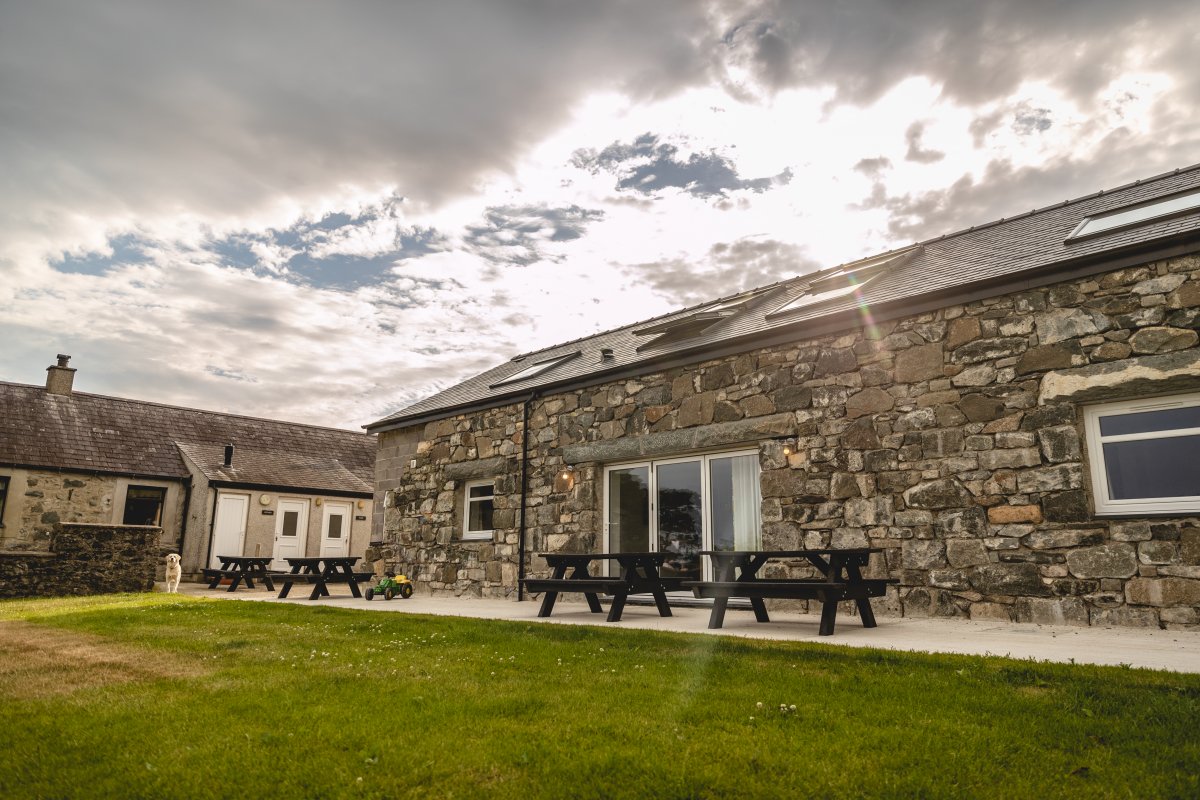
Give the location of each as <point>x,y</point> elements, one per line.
<point>391,585</point>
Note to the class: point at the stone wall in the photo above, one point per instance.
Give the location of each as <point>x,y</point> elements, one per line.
<point>951,439</point>
<point>84,559</point>
<point>40,500</point>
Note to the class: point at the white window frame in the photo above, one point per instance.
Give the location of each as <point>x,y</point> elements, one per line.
<point>706,489</point>
<point>469,535</point>
<point>1106,505</point>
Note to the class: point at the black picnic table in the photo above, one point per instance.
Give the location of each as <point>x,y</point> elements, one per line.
<point>240,569</point>
<point>321,571</point>
<point>639,574</point>
<point>736,575</point>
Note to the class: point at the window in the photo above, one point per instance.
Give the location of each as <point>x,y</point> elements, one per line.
<point>143,505</point>
<point>692,324</point>
<point>1145,455</point>
<point>842,281</point>
<point>682,506</point>
<point>535,369</point>
<point>479,503</point>
<point>1136,215</point>
<point>3,497</point>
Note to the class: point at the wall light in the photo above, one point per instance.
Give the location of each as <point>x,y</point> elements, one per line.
<point>264,500</point>
<point>564,481</point>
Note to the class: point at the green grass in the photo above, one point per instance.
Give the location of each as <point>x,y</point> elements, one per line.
<point>162,696</point>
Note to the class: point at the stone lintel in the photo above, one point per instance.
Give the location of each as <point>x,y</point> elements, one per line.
<point>480,468</point>
<point>1132,376</point>
<point>742,431</point>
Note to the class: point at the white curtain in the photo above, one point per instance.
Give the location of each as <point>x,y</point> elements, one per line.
<point>747,533</point>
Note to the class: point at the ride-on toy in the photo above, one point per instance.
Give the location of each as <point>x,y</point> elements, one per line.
<point>391,585</point>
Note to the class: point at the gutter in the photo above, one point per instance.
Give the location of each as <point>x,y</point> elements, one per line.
<point>524,493</point>
<point>269,487</point>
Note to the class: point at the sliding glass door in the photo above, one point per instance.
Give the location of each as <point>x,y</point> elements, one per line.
<point>682,506</point>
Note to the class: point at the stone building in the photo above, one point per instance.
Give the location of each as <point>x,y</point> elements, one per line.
<point>1012,412</point>
<point>214,483</point>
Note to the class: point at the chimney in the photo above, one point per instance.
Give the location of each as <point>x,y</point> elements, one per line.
<point>60,378</point>
<point>229,454</point>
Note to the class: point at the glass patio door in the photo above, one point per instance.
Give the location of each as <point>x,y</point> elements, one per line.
<point>682,506</point>
<point>680,520</point>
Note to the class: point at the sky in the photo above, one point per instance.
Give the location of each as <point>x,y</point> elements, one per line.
<point>324,212</point>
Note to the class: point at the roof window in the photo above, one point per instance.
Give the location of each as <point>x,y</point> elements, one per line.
<point>845,280</point>
<point>535,369</point>
<point>1136,215</point>
<point>701,319</point>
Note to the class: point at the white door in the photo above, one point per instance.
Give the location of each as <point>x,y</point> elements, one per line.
<point>229,530</point>
<point>291,529</point>
<point>335,530</point>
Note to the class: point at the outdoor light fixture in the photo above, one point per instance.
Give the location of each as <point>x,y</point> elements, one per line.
<point>565,480</point>
<point>318,501</point>
<point>264,500</point>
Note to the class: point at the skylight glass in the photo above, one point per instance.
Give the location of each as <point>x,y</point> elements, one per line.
<point>813,298</point>
<point>1179,204</point>
<point>535,369</point>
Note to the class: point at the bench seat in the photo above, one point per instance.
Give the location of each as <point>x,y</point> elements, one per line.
<point>591,585</point>
<point>314,577</point>
<point>792,589</point>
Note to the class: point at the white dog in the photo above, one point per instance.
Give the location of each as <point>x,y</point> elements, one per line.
<point>174,573</point>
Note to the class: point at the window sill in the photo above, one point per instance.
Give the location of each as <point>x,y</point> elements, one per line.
<point>476,537</point>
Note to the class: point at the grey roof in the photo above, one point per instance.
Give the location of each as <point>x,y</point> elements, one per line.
<point>1002,252</point>
<point>90,432</point>
<point>317,472</point>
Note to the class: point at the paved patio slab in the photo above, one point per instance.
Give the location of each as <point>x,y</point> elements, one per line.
<point>1177,651</point>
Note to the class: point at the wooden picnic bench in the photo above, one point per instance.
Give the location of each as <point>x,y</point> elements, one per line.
<point>639,574</point>
<point>321,572</point>
<point>240,569</point>
<point>841,579</point>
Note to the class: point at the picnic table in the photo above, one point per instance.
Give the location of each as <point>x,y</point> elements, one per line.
<point>639,574</point>
<point>320,572</point>
<point>240,569</point>
<point>736,575</point>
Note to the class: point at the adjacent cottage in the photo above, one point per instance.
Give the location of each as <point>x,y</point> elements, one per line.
<point>1012,412</point>
<point>216,484</point>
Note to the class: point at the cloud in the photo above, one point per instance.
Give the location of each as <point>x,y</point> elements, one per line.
<point>647,166</point>
<point>134,107</point>
<point>978,52</point>
<point>916,152</point>
<point>729,268</point>
<point>519,234</point>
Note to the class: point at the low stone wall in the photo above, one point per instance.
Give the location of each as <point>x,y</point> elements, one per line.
<point>84,559</point>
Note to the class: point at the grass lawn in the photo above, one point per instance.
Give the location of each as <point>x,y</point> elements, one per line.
<point>163,696</point>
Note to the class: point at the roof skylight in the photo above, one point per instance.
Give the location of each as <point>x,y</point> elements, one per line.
<point>697,321</point>
<point>535,369</point>
<point>810,298</point>
<point>1136,215</point>
<point>845,280</point>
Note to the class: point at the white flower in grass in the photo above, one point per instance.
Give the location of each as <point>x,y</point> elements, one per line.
<point>757,705</point>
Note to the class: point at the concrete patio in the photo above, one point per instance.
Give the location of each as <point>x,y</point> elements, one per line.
<point>1177,651</point>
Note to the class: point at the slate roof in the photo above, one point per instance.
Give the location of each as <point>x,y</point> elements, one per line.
<point>998,253</point>
<point>318,472</point>
<point>91,432</point>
